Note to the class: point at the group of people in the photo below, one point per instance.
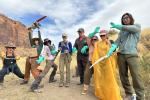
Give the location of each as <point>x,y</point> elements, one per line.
<point>122,53</point>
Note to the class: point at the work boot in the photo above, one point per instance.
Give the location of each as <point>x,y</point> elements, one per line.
<point>61,84</point>
<point>23,82</point>
<point>127,97</point>
<point>67,85</point>
<point>34,87</point>
<point>50,81</point>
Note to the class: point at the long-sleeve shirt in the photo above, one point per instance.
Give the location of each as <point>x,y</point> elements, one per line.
<point>79,44</point>
<point>128,39</point>
<point>65,46</point>
<point>40,46</point>
<point>46,53</point>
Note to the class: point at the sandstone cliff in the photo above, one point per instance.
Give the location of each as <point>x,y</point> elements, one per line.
<point>14,31</point>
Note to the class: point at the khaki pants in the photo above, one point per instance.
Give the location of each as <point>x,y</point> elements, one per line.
<point>65,60</point>
<point>31,65</point>
<point>131,63</point>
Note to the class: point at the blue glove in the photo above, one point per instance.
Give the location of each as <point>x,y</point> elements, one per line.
<point>95,31</point>
<point>117,26</point>
<point>41,58</point>
<point>53,52</point>
<point>111,50</point>
<point>74,49</point>
<point>84,49</point>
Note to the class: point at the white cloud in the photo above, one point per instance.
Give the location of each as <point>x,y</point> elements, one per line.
<point>69,15</point>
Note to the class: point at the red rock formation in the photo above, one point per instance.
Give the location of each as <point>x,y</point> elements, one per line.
<point>14,31</point>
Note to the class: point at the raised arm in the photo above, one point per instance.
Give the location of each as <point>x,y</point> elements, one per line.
<point>90,35</point>
<point>130,28</point>
<point>30,37</point>
<point>39,35</point>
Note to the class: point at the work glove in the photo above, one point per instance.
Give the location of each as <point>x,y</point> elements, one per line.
<point>111,50</point>
<point>97,29</point>
<point>41,58</point>
<point>84,49</point>
<point>74,49</point>
<point>53,52</point>
<point>117,26</point>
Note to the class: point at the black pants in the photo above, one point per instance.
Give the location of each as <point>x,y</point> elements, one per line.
<point>81,62</point>
<point>52,75</point>
<point>12,68</point>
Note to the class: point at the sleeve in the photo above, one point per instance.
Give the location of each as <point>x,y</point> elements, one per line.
<point>48,51</point>
<point>76,45</point>
<point>59,45</point>
<point>39,35</point>
<point>30,37</point>
<point>70,47</point>
<point>117,42</point>
<point>132,28</point>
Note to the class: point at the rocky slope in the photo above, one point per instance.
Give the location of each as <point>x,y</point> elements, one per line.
<point>14,31</point>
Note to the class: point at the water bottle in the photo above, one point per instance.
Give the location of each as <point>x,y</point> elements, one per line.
<point>133,97</point>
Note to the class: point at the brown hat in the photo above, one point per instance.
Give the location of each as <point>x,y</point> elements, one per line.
<point>35,39</point>
<point>10,45</point>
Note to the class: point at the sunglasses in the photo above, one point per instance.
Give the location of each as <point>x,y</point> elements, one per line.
<point>102,35</point>
<point>95,39</point>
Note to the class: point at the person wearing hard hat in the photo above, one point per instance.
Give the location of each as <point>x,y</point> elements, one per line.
<point>65,48</point>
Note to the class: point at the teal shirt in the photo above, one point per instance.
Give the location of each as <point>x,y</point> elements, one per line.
<point>128,39</point>
<point>39,48</point>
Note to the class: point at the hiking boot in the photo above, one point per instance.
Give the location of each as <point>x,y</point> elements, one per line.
<point>23,82</point>
<point>37,91</point>
<point>128,97</point>
<point>61,85</point>
<point>50,81</point>
<point>80,84</point>
<point>67,85</point>
<point>84,91</point>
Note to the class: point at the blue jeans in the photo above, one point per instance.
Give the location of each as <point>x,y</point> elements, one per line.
<point>12,68</point>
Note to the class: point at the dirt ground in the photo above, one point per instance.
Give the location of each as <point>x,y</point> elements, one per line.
<point>12,90</point>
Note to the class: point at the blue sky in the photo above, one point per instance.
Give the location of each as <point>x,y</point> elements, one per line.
<point>69,15</point>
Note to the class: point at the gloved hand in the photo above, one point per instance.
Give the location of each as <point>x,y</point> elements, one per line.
<point>110,52</point>
<point>84,49</point>
<point>41,58</point>
<point>53,52</point>
<point>95,31</point>
<point>117,26</point>
<point>74,49</point>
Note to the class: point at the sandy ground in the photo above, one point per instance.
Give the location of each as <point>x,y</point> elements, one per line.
<point>12,90</point>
